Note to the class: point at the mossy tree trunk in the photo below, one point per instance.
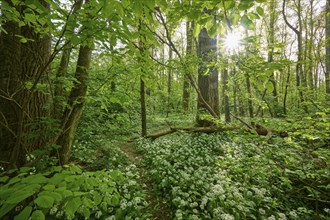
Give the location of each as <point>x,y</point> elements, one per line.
<point>225,91</point>
<point>60,96</point>
<point>23,90</point>
<point>189,51</point>
<point>270,59</point>
<point>76,101</point>
<point>207,74</point>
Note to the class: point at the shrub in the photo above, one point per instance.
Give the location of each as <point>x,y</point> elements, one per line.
<point>71,193</point>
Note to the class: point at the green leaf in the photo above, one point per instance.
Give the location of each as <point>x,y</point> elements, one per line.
<point>14,199</point>
<point>150,4</point>
<point>76,169</point>
<point>72,206</point>
<point>269,86</point>
<point>16,2</point>
<point>246,4</point>
<point>117,175</point>
<point>85,212</point>
<point>49,187</point>
<point>197,30</point>
<point>246,22</point>
<point>97,198</point>
<point>260,11</point>
<point>30,18</point>
<point>56,196</point>
<point>209,24</point>
<point>115,200</point>
<point>229,4</point>
<point>119,9</point>
<point>64,192</point>
<point>87,202</point>
<point>5,208</point>
<point>4,179</point>
<point>44,201</point>
<point>25,214</point>
<point>37,178</point>
<point>57,178</point>
<point>37,215</point>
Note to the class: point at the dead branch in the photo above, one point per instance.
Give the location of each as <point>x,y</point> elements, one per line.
<point>206,130</point>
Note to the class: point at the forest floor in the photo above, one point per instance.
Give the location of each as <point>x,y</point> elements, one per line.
<point>157,205</point>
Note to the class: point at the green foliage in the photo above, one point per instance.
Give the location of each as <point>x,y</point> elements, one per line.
<point>71,193</point>
<point>225,176</point>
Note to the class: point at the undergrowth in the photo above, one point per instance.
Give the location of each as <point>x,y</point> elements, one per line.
<point>235,176</point>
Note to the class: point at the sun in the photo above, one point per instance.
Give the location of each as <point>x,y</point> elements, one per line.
<point>232,40</point>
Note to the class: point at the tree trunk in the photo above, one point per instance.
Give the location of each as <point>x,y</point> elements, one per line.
<point>248,87</point>
<point>327,47</point>
<point>286,90</point>
<point>60,96</point>
<point>310,47</point>
<point>235,97</point>
<point>10,84</point>
<point>76,102</point>
<point>143,109</point>
<point>186,84</point>
<point>142,84</point>
<point>300,78</point>
<point>23,67</point>
<point>271,41</point>
<point>207,76</point>
<point>225,91</point>
<point>169,85</point>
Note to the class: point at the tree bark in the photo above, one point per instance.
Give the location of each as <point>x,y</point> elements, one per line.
<point>169,85</point>
<point>76,102</point>
<point>300,79</point>
<point>271,41</point>
<point>60,96</point>
<point>225,91</point>
<point>142,84</point>
<point>23,101</point>
<point>327,47</point>
<point>310,47</point>
<point>248,87</point>
<point>207,76</point>
<point>189,51</point>
<point>143,109</point>
<point>206,130</point>
<point>10,84</point>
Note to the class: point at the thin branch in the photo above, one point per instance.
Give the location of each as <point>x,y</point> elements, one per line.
<point>286,20</point>
<point>190,77</point>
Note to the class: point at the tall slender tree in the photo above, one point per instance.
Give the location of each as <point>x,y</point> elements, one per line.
<point>327,47</point>
<point>189,51</point>
<point>300,78</point>
<point>60,95</point>
<point>225,91</point>
<point>77,98</point>
<point>271,42</point>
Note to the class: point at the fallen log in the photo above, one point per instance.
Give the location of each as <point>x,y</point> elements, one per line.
<point>171,130</point>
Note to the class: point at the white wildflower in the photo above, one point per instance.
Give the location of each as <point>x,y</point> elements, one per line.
<point>98,214</point>
<point>262,211</point>
<point>53,210</point>
<point>293,214</point>
<point>227,217</point>
<point>282,216</point>
<point>59,214</point>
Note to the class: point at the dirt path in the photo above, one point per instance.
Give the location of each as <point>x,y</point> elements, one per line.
<point>159,209</point>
